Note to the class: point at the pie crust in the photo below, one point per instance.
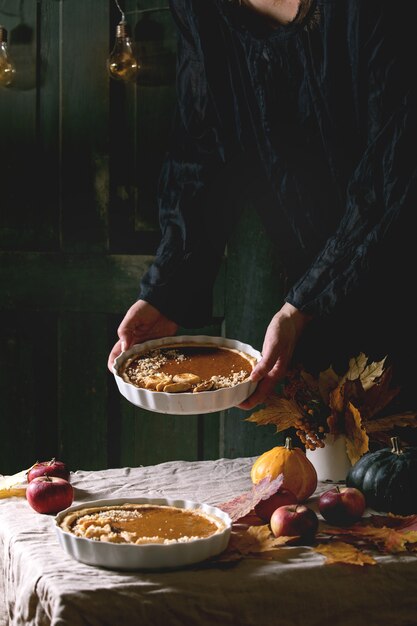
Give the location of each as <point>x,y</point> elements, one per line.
<point>187,368</point>
<point>141,524</point>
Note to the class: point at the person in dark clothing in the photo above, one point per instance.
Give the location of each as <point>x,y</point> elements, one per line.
<point>320,97</point>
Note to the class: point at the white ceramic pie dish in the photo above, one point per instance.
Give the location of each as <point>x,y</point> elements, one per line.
<point>185,403</point>
<point>151,556</point>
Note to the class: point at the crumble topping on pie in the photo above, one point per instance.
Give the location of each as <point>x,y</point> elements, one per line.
<point>141,524</point>
<point>188,368</point>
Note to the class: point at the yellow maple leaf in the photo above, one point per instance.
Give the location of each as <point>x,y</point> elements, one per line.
<point>13,492</point>
<point>355,368</point>
<point>254,540</point>
<point>410,536</point>
<point>367,373</point>
<point>340,552</point>
<point>357,441</point>
<point>358,370</point>
<point>15,485</point>
<point>278,411</point>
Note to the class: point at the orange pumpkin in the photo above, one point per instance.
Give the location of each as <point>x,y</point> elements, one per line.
<point>300,476</point>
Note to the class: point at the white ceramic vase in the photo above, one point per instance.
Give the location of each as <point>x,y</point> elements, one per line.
<point>331,462</point>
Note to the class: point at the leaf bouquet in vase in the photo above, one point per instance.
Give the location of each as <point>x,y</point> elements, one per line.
<point>339,412</point>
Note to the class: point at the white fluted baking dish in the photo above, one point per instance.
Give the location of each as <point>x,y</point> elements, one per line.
<point>150,556</point>
<point>185,403</point>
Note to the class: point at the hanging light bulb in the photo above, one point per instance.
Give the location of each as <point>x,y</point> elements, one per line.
<point>7,69</point>
<point>122,64</point>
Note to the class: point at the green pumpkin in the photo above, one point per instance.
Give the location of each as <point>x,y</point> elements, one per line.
<point>388,479</point>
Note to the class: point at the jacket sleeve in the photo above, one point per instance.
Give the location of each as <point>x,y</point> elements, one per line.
<point>180,280</point>
<point>374,238</point>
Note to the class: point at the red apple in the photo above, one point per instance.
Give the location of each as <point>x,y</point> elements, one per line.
<point>294,520</point>
<point>265,508</point>
<point>49,494</point>
<point>342,506</point>
<point>48,468</point>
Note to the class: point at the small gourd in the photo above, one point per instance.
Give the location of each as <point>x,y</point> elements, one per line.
<point>300,476</point>
<point>387,479</point>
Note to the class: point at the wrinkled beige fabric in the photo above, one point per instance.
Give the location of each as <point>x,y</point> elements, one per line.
<point>44,586</point>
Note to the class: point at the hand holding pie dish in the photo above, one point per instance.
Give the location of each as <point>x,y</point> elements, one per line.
<point>186,374</point>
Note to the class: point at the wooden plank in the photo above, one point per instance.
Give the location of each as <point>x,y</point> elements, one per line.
<point>209,436</point>
<point>82,390</point>
<point>166,437</point>
<point>254,292</point>
<point>28,400</point>
<point>50,282</point>
<point>124,427</point>
<point>49,117</point>
<point>141,118</point>
<point>84,125</point>
<point>25,219</point>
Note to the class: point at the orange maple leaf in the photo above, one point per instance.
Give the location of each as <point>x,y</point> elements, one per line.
<point>279,411</point>
<point>340,552</point>
<point>336,399</point>
<point>253,542</point>
<point>400,522</point>
<point>385,539</point>
<point>357,441</point>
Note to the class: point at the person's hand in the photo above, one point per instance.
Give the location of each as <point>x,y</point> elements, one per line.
<point>280,340</point>
<point>141,322</point>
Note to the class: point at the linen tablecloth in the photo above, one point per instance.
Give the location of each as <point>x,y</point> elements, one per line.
<point>43,586</point>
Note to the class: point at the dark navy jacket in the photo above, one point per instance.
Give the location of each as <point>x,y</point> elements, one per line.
<point>326,108</point>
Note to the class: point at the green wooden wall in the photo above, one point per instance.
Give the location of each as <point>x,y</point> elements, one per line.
<point>78,227</point>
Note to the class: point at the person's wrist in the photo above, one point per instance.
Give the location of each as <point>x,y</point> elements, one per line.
<point>299,318</point>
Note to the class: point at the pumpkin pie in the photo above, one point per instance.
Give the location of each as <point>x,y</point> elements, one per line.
<point>141,524</point>
<point>188,368</point>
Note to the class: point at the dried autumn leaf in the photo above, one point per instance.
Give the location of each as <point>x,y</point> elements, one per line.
<point>410,536</point>
<point>387,423</point>
<point>399,522</point>
<point>367,373</point>
<point>409,523</point>
<point>311,382</point>
<point>357,441</point>
<point>336,399</point>
<point>257,539</point>
<point>394,521</point>
<point>340,552</point>
<point>14,485</point>
<point>353,392</point>
<point>13,492</point>
<point>386,539</point>
<point>378,396</point>
<point>7,482</point>
<point>359,378</point>
<point>253,541</point>
<point>328,381</point>
<point>279,411</point>
<point>355,368</point>
<point>242,505</point>
<point>335,424</point>
<point>372,373</point>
